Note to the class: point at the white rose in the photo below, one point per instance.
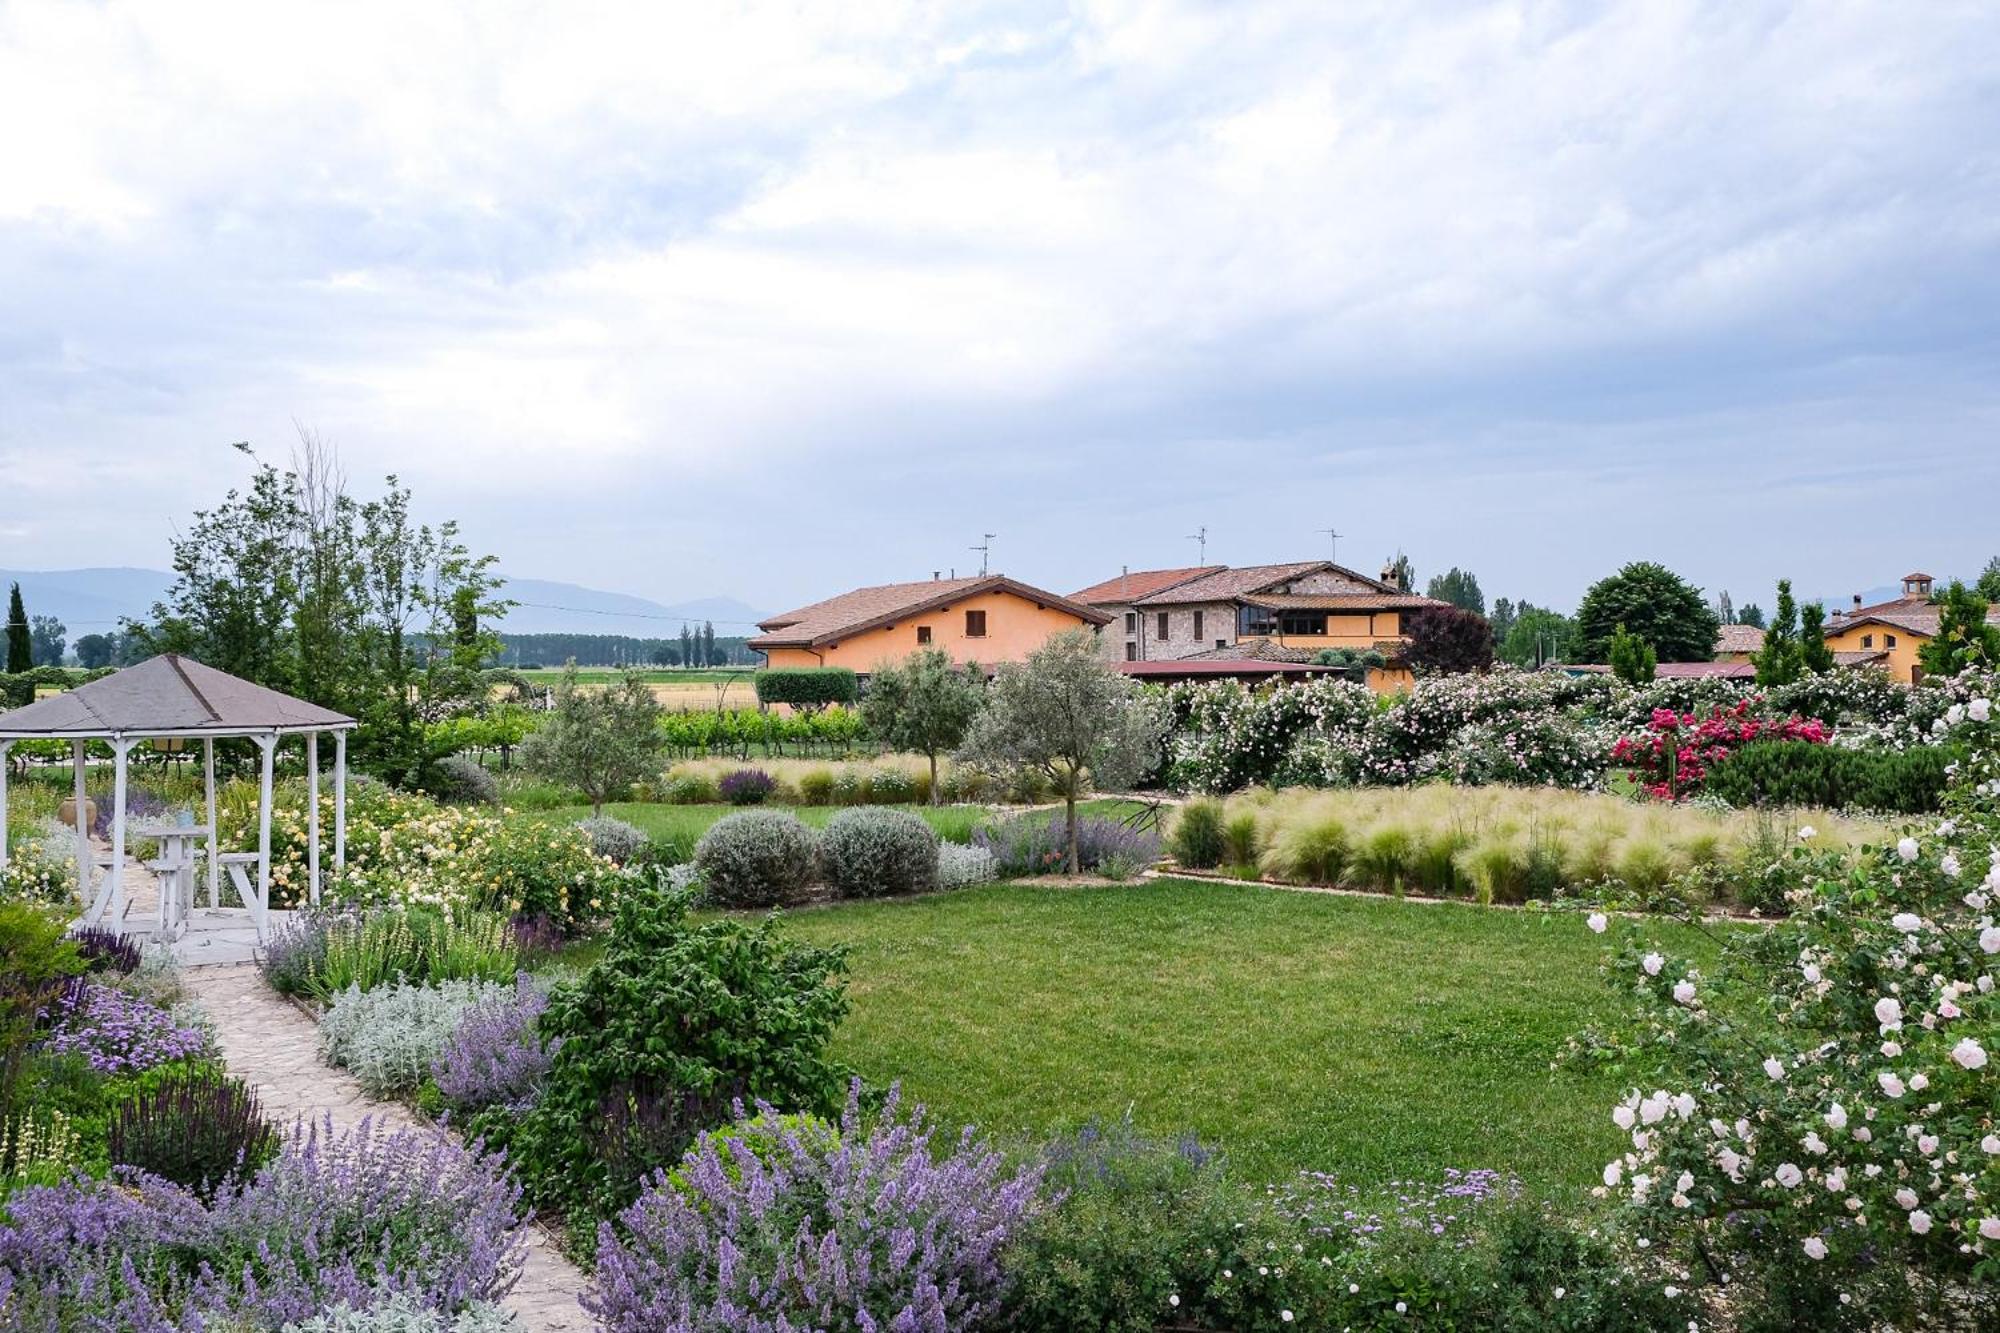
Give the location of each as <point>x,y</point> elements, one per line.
<point>1906,1198</point>
<point>1815,1248</point>
<point>1907,922</point>
<point>1990,1145</point>
<point>1597,921</point>
<point>1979,710</point>
<point>1927,1144</point>
<point>1684,992</point>
<point>1812,973</point>
<point>1918,1082</point>
<point>1969,1054</point>
<point>1652,963</point>
<point>1989,939</point>
<point>1989,1228</point>
<point>1613,1172</point>
<point>1815,1144</point>
<point>1891,1085</point>
<point>1808,833</point>
<point>1920,1222</point>
<point>1623,1116</point>
<point>1836,1116</point>
<point>1789,1176</point>
<point>1774,1068</point>
<point>1889,1012</point>
<point>1907,849</point>
<point>1949,865</point>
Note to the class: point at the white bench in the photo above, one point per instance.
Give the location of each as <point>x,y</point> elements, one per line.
<point>242,870</point>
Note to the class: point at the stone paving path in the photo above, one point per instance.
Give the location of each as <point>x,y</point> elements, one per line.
<point>272,1046</point>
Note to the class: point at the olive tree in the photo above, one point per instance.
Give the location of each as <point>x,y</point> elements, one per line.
<point>598,741</point>
<point>925,704</point>
<point>1069,715</point>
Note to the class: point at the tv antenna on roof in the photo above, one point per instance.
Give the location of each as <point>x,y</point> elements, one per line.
<point>1333,537</point>
<point>1201,538</point>
<point>984,548</point>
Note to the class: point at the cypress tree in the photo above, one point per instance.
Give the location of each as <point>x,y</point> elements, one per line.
<point>20,646</point>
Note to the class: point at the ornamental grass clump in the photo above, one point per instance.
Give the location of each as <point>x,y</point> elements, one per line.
<point>756,858</point>
<point>337,1218</point>
<point>874,1228</point>
<point>870,852</point>
<point>197,1127</point>
<point>319,955</point>
<point>495,1056</point>
<point>1196,840</point>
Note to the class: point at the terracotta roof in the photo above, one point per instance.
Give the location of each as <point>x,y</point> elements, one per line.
<point>168,693</point>
<point>1140,583</point>
<point>1918,577</point>
<point>1863,657</point>
<point>1913,615</point>
<point>868,608</point>
<point>1342,601</point>
<point>1739,639</point>
<point>1230,584</point>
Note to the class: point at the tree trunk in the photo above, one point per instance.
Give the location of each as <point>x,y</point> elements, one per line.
<point>934,781</point>
<point>1069,810</point>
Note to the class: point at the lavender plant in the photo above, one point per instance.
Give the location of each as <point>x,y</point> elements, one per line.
<point>198,1127</point>
<point>1035,844</point>
<point>495,1055</point>
<point>866,1230</point>
<point>120,1033</point>
<point>106,950</point>
<point>337,1218</point>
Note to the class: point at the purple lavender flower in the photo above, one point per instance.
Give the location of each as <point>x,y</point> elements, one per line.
<point>864,1230</point>
<point>746,786</point>
<point>1037,844</point>
<point>495,1056</point>
<point>119,1033</point>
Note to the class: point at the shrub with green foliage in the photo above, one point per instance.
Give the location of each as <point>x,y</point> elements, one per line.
<point>456,780</point>
<point>1197,840</point>
<point>673,1022</point>
<point>872,852</point>
<point>807,688</point>
<point>197,1127</point>
<point>613,839</point>
<point>755,858</point>
<point>690,789</point>
<point>1795,773</point>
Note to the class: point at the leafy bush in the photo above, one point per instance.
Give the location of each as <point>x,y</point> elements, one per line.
<point>346,1218</point>
<point>319,955</point>
<point>673,1021</point>
<point>400,1314</point>
<point>1033,844</point>
<point>690,789</point>
<point>495,1055</point>
<point>960,866</point>
<point>859,1230</point>
<point>807,687</point>
<point>816,787</point>
<point>868,853</point>
<point>457,780</point>
<point>1670,759</point>
<point>1791,773</point>
<point>198,1127</point>
<point>746,786</point>
<point>1196,841</point>
<point>757,858</point>
<point>390,1037</point>
<point>613,839</point>
<point>892,786</point>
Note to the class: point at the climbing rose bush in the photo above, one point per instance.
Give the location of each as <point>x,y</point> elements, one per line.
<point>1672,756</point>
<point>863,1230</point>
<point>1822,1118</point>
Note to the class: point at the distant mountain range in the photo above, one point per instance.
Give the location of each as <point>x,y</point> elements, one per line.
<point>96,601</point>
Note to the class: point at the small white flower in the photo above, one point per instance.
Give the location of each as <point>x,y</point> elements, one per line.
<point>1285,1315</point>
<point>1402,1307</point>
<point>1891,1049</point>
<point>1918,1082</point>
<point>1969,1054</point>
<point>1907,849</point>
<point>1812,973</point>
<point>1597,921</point>
<point>1990,1145</point>
<point>1906,1198</point>
<point>1949,865</point>
<point>1808,833</point>
<point>1836,1116</point>
<point>1989,1228</point>
<point>1891,1085</point>
<point>1889,1012</point>
<point>1560,1292</point>
<point>1989,939</point>
<point>1652,963</point>
<point>1979,710</point>
<point>1684,992</point>
<point>1623,1116</point>
<point>1789,1176</point>
<point>1907,922</point>
<point>1174,1301</point>
<point>1613,1172</point>
<point>1774,1068</point>
<point>1920,1222</point>
<point>1815,1144</point>
<point>1927,1144</point>
<point>1815,1248</point>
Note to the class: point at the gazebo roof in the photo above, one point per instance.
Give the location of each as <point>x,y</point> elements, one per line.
<point>168,695</point>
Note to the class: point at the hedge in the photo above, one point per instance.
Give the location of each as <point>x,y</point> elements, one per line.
<point>807,687</point>
<point>1796,773</point>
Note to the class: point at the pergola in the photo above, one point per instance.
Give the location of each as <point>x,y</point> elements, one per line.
<point>171,697</point>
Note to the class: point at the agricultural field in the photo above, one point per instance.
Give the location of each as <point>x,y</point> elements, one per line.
<point>1374,1039</point>
<point>678,689</point>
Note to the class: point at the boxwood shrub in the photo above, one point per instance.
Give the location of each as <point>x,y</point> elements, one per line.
<point>871,852</point>
<point>755,858</point>
<point>1795,773</point>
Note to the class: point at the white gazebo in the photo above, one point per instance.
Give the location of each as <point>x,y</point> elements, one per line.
<point>177,698</point>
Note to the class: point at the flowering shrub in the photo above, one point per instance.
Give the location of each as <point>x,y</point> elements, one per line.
<point>119,1033</point>
<point>1672,757</point>
<point>336,1218</point>
<point>1035,844</point>
<point>41,869</point>
<point>197,1127</point>
<point>1822,1121</point>
<point>495,1055</point>
<point>864,1230</point>
<point>746,786</point>
<point>373,809</point>
<point>392,1035</point>
<point>471,858</point>
<point>868,852</point>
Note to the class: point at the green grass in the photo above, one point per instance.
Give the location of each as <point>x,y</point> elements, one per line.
<point>1373,1038</point>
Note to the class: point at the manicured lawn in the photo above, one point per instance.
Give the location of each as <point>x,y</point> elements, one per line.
<point>1372,1038</point>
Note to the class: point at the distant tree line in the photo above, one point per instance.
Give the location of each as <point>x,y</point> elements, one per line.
<point>696,646</point>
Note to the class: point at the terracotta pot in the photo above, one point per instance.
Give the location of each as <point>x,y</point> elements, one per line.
<point>68,812</point>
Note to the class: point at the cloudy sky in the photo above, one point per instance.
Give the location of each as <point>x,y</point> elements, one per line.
<point>780,300</point>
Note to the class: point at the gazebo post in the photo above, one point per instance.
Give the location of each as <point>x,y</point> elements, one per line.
<point>85,862</point>
<point>4,747</point>
<point>120,748</point>
<point>208,793</point>
<point>266,744</point>
<point>339,803</point>
<point>312,817</point>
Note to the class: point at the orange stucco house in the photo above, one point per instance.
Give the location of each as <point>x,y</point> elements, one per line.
<point>987,620</point>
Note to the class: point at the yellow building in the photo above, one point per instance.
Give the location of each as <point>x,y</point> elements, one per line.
<point>1897,630</point>
<point>987,620</point>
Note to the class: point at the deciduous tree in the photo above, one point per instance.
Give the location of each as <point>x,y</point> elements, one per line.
<point>1964,637</point>
<point>1448,639</point>
<point>1460,587</point>
<point>599,741</point>
<point>925,703</point>
<point>1069,715</point>
<point>46,639</point>
<point>1538,635</point>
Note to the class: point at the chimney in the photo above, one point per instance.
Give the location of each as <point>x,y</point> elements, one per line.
<point>936,574</point>
<point>1857,601</point>
<point>1389,576</point>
